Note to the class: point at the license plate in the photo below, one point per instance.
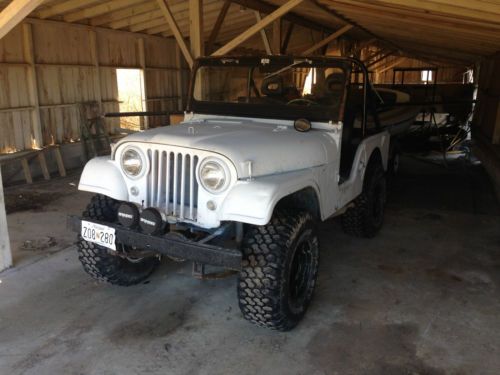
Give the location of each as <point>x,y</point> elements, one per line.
<point>99,234</point>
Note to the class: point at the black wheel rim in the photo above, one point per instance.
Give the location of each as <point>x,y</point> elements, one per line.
<point>301,273</point>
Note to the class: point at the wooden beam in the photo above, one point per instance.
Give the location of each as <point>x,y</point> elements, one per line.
<point>230,25</point>
<point>266,8</point>
<point>375,55</point>
<point>123,13</point>
<point>59,161</point>
<point>5,251</point>
<point>328,39</point>
<point>391,65</point>
<point>32,83</point>
<point>15,12</point>
<point>43,165</point>
<point>217,26</point>
<point>286,39</point>
<point>196,27</point>
<point>26,171</point>
<point>97,10</point>
<point>380,58</point>
<point>263,34</point>
<point>65,7</point>
<point>158,25</point>
<point>467,9</point>
<point>362,46</point>
<point>175,30</point>
<point>288,6</point>
<point>277,37</point>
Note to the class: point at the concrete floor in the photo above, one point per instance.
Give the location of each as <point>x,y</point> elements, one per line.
<point>421,298</point>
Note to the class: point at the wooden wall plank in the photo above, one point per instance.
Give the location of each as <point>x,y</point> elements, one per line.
<point>32,83</point>
<point>75,63</point>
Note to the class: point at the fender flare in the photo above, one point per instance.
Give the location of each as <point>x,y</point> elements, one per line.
<point>253,201</point>
<point>102,176</point>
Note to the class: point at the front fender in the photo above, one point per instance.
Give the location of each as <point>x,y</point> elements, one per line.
<point>102,176</point>
<point>253,201</point>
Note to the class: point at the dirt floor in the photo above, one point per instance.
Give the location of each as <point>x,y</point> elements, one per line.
<point>421,298</point>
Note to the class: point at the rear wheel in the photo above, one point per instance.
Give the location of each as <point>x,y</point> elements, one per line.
<point>394,159</point>
<point>279,270</point>
<point>106,265</point>
<point>366,217</point>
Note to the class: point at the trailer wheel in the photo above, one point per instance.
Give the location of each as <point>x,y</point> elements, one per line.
<point>366,217</point>
<point>103,264</point>
<point>279,270</point>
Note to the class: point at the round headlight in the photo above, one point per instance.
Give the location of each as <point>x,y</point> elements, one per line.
<point>213,176</point>
<point>132,163</point>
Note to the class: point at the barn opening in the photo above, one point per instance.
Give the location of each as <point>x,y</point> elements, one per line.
<point>131,97</point>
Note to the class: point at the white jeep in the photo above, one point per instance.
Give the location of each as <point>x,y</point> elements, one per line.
<point>269,147</point>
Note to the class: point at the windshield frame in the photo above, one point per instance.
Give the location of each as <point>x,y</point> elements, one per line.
<point>278,112</point>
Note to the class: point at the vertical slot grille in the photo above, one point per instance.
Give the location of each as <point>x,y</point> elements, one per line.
<point>172,185</point>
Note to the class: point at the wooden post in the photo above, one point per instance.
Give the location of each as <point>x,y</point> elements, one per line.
<point>277,36</point>
<point>141,56</point>
<point>178,77</point>
<point>288,35</point>
<point>196,27</point>
<point>95,61</point>
<point>196,37</point>
<point>29,57</point>
<point>263,34</point>
<point>5,251</point>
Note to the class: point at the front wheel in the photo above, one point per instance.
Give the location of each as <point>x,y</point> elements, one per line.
<point>106,265</point>
<point>279,270</point>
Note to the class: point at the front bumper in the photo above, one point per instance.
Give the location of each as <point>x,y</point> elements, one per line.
<point>174,247</point>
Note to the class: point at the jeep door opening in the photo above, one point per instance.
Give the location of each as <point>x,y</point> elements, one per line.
<point>269,146</point>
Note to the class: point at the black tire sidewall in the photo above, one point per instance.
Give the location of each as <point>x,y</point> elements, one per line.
<point>264,281</point>
<point>307,233</point>
<point>376,193</point>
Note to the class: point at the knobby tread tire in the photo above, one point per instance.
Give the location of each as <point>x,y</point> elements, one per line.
<point>358,220</point>
<point>97,260</point>
<point>263,280</point>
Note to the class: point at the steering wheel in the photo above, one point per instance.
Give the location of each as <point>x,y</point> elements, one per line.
<point>308,102</point>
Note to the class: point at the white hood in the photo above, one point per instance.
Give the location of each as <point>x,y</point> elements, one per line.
<point>272,146</point>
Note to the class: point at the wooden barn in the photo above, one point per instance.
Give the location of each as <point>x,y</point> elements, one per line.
<point>78,76</point>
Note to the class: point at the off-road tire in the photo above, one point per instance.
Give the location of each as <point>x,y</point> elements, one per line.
<point>266,290</point>
<point>366,217</point>
<point>99,262</point>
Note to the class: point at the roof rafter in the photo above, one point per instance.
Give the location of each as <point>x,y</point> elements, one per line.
<point>257,27</point>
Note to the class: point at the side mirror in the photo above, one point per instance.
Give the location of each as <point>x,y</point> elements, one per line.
<point>302,125</point>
